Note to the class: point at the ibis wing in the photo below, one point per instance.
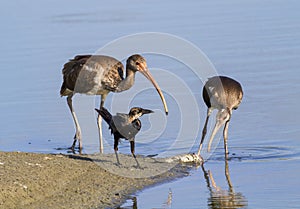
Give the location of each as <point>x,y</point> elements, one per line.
<point>91,74</point>
<point>71,71</point>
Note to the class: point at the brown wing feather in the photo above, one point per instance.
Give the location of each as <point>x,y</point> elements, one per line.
<point>71,72</point>
<point>112,77</point>
<point>223,92</point>
<point>92,65</point>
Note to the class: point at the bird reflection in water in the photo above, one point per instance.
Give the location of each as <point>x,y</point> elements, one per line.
<point>133,206</point>
<point>221,198</point>
<point>168,203</point>
<point>165,205</point>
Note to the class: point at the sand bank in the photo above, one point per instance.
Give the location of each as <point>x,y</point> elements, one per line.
<point>30,180</point>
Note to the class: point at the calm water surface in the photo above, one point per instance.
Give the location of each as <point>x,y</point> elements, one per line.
<point>256,42</point>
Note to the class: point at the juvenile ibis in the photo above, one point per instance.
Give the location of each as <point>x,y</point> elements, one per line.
<point>224,94</point>
<point>99,75</point>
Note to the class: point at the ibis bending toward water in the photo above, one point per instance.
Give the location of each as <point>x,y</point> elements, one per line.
<point>224,94</point>
<point>99,75</point>
<point>124,126</point>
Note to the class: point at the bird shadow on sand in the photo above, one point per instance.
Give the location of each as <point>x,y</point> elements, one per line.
<point>80,157</point>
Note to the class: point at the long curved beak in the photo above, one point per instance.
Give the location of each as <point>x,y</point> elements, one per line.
<point>219,123</point>
<point>215,130</point>
<point>144,70</point>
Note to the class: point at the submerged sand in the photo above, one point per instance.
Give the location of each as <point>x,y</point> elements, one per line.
<point>30,180</point>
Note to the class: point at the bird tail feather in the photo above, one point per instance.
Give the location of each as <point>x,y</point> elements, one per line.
<point>105,115</point>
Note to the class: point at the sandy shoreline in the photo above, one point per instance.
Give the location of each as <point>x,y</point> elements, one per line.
<point>30,180</point>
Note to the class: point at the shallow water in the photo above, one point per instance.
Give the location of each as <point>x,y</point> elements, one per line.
<point>256,42</point>
<point>253,185</point>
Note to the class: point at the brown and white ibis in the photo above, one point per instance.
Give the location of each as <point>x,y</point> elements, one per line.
<point>99,75</point>
<point>224,94</point>
<point>124,126</point>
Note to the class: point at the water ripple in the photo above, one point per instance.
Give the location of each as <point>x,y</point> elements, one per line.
<point>259,153</point>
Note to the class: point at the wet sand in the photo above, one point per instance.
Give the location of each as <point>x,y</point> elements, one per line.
<point>30,180</point>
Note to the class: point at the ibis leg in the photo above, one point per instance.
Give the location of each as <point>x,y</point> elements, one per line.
<point>99,123</point>
<point>225,135</point>
<point>209,110</point>
<point>78,130</point>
